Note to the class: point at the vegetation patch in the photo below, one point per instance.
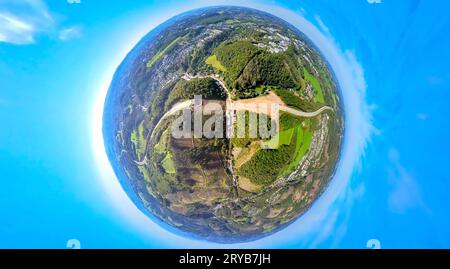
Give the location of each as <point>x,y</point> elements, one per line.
<point>142,140</point>
<point>267,69</point>
<point>144,173</point>
<point>138,140</point>
<point>281,138</point>
<point>266,164</point>
<point>185,90</point>
<point>303,140</point>
<point>231,21</point>
<point>293,100</point>
<point>168,164</point>
<point>318,93</point>
<point>212,61</point>
<point>160,53</point>
<point>235,56</point>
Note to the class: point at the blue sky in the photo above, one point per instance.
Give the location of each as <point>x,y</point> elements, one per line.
<point>391,59</point>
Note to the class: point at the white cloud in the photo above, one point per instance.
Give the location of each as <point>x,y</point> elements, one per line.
<point>374,1</point>
<point>405,192</point>
<point>74,1</point>
<point>69,33</point>
<point>14,30</point>
<point>22,20</point>
<point>321,24</point>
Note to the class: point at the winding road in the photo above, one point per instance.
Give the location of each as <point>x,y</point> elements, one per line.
<point>238,105</point>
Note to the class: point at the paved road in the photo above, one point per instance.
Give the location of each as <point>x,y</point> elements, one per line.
<point>237,105</point>
<point>304,114</point>
<point>177,107</point>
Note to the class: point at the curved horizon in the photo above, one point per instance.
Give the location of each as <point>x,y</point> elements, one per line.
<point>353,102</point>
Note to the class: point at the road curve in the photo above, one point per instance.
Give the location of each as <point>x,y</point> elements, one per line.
<point>177,107</point>
<point>304,114</point>
<point>189,103</point>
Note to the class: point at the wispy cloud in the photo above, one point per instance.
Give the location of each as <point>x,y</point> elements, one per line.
<point>374,1</point>
<point>22,20</point>
<point>405,192</point>
<point>14,30</point>
<point>321,24</point>
<point>69,33</point>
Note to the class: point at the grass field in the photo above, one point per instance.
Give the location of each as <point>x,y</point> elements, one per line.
<point>259,89</point>
<point>231,21</point>
<point>306,141</point>
<point>318,93</point>
<point>303,140</point>
<point>134,140</point>
<point>161,146</point>
<point>161,53</point>
<point>212,60</point>
<point>138,140</point>
<point>168,164</point>
<point>282,138</point>
<point>141,137</point>
<point>282,153</point>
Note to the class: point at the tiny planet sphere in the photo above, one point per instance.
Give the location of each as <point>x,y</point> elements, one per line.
<point>224,124</point>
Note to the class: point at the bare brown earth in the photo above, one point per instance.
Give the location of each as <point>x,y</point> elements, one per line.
<point>247,153</point>
<point>247,185</point>
<point>260,104</point>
